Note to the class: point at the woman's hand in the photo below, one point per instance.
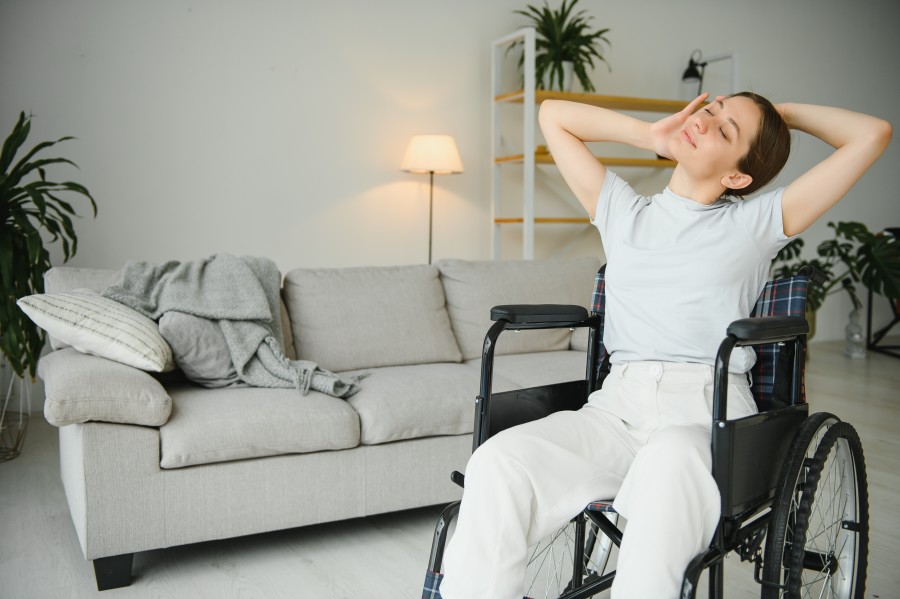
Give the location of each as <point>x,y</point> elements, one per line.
<point>662,130</point>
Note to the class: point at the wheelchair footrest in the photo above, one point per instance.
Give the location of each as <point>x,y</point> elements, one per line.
<point>601,506</point>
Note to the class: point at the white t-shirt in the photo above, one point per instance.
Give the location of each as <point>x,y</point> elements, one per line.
<point>680,272</point>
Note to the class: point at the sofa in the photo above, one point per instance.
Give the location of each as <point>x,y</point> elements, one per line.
<point>153,460</point>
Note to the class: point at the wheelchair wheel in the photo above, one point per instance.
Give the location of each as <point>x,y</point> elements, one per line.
<point>817,539</point>
<point>551,562</point>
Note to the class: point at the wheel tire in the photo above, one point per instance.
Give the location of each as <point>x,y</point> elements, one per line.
<point>550,562</point>
<point>818,532</point>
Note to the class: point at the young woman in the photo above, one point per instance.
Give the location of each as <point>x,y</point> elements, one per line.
<point>682,265</point>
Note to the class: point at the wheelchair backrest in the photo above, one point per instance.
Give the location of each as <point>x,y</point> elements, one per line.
<point>770,376</point>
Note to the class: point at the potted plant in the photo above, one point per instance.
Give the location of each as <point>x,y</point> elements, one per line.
<point>32,213</point>
<point>854,256</point>
<point>564,41</point>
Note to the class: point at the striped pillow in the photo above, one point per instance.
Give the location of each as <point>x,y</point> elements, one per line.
<point>96,325</point>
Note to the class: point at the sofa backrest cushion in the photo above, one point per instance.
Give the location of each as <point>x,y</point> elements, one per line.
<point>352,318</point>
<point>473,288</point>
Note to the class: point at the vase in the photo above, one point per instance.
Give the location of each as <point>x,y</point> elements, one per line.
<point>854,338</point>
<point>15,411</point>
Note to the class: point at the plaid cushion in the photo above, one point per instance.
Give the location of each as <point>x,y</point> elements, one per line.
<point>598,305</point>
<point>432,587</point>
<point>782,297</point>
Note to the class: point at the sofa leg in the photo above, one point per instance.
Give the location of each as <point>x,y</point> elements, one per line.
<point>113,572</point>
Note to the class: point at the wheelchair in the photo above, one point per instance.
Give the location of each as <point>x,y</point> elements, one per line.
<point>793,485</point>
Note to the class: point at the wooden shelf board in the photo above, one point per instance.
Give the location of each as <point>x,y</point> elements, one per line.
<point>545,220</point>
<point>604,101</point>
<point>544,158</point>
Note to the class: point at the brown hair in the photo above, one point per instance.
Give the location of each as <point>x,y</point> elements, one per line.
<point>768,151</point>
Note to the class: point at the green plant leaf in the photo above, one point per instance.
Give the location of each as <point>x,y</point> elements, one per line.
<point>30,212</point>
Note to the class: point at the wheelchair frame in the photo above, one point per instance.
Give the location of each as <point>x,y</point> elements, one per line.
<point>752,504</point>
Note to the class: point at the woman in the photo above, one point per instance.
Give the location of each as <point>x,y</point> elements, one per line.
<point>682,265</point>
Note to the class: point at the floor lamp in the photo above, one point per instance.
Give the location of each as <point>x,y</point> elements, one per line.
<point>432,154</point>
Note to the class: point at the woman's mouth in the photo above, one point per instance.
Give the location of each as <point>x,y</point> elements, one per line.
<point>687,137</point>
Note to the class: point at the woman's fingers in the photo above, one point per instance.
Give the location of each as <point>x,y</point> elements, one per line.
<point>692,106</point>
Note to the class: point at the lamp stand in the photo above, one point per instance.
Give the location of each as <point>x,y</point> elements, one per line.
<point>430,210</point>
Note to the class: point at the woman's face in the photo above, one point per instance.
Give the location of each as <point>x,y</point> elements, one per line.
<point>716,137</point>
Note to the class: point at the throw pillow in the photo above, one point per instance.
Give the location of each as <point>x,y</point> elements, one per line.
<point>96,325</point>
<point>82,388</point>
<point>199,348</point>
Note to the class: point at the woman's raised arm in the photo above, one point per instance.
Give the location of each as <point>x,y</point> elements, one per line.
<point>858,139</point>
<point>568,125</point>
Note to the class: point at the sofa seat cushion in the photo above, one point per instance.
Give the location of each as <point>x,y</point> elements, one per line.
<point>217,425</point>
<point>517,371</point>
<point>407,402</point>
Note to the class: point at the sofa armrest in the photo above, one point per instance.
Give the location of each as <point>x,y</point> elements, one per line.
<point>81,387</point>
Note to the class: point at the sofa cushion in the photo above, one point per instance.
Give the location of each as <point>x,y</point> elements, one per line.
<point>353,318</point>
<point>407,402</point>
<point>200,349</point>
<point>473,288</point>
<point>100,326</point>
<point>80,387</point>
<point>542,368</point>
<point>217,425</point>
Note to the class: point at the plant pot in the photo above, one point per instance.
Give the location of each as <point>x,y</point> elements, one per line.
<point>551,77</point>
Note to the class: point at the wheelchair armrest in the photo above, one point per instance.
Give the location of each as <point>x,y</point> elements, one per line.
<point>541,315</point>
<point>768,329</point>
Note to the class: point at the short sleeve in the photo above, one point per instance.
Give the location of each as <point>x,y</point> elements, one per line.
<point>763,217</point>
<point>616,198</point>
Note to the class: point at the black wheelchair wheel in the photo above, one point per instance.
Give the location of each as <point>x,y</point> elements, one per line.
<point>551,562</point>
<point>818,531</point>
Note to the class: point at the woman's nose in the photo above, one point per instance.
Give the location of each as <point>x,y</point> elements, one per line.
<point>701,124</point>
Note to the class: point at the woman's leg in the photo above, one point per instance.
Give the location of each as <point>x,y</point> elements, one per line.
<point>671,502</point>
<point>520,486</point>
<point>669,497</point>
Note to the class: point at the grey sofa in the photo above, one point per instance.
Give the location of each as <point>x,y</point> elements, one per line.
<point>197,464</point>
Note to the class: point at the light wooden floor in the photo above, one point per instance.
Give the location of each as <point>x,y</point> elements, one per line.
<point>385,556</point>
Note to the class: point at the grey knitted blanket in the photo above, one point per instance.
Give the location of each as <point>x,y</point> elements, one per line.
<point>241,293</point>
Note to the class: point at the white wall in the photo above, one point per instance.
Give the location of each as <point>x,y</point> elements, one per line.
<point>276,127</point>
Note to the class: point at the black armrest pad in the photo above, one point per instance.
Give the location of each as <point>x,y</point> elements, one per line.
<point>529,313</point>
<point>768,329</point>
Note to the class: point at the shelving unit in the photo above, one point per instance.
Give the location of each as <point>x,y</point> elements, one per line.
<point>530,156</point>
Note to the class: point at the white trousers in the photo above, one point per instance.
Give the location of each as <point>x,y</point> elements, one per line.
<point>644,439</point>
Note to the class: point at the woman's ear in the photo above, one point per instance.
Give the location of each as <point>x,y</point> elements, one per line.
<point>736,181</point>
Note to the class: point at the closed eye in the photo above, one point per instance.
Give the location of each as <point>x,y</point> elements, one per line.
<point>721,130</point>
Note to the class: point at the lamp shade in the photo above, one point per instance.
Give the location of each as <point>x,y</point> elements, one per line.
<point>432,153</point>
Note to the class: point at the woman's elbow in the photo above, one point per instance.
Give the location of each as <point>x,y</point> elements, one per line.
<point>880,134</point>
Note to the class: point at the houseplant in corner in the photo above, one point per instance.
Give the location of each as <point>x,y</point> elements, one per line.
<point>564,45</point>
<point>32,213</point>
<point>854,256</point>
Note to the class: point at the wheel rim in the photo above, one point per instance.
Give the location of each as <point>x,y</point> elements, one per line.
<point>551,562</point>
<point>796,498</point>
<point>828,541</point>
